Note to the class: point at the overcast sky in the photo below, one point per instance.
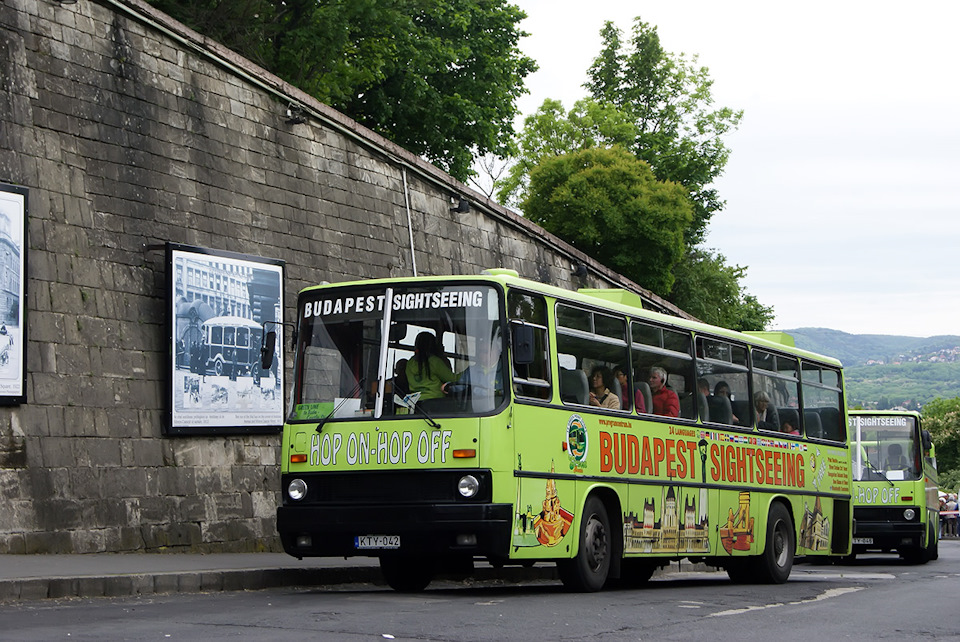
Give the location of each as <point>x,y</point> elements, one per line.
<point>843,187</point>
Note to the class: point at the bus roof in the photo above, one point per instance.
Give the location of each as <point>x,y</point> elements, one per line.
<point>232,321</point>
<point>890,413</point>
<point>613,301</point>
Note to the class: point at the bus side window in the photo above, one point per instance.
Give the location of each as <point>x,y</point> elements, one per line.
<point>529,345</point>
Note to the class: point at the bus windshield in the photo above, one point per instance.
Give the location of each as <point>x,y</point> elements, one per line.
<point>887,447</point>
<point>349,367</point>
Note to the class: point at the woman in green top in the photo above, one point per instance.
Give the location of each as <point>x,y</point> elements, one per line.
<point>428,372</point>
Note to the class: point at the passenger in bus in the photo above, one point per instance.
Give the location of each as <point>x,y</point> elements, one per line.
<point>665,401</point>
<point>428,371</point>
<point>620,372</point>
<point>766,415</point>
<point>398,385</point>
<point>789,428</point>
<point>601,380</point>
<point>895,458</point>
<point>484,376</point>
<point>722,389</point>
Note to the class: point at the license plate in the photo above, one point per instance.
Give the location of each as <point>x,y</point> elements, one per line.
<point>863,540</point>
<point>362,542</point>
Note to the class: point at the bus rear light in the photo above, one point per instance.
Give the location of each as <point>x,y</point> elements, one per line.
<point>907,498</point>
<point>465,453</point>
<point>466,540</point>
<point>298,459</point>
<point>304,541</point>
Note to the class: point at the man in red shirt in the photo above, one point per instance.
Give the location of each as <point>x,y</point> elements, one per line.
<point>665,401</point>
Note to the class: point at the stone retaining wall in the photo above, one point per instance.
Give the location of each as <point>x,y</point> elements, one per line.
<point>131,131</point>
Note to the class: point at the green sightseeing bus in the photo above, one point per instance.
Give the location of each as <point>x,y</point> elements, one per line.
<point>534,452</point>
<point>895,505</point>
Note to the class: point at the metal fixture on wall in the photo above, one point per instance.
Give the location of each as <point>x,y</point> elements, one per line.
<point>459,204</point>
<point>295,115</point>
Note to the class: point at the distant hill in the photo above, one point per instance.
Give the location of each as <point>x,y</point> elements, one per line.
<point>861,349</point>
<point>883,371</point>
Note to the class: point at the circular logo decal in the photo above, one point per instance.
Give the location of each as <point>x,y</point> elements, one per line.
<point>577,439</point>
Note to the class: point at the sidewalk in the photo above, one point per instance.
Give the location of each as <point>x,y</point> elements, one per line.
<point>35,577</point>
<point>38,577</point>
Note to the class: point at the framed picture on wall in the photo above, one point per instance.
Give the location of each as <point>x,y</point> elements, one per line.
<point>220,305</point>
<point>13,294</point>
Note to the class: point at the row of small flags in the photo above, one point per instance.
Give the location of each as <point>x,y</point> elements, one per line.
<point>766,442</point>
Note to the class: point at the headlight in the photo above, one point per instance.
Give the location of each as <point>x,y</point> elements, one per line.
<point>468,486</point>
<point>297,489</point>
<point>909,514</point>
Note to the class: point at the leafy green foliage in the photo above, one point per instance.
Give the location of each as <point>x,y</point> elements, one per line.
<point>710,290</point>
<point>905,384</point>
<point>668,98</point>
<point>438,77</point>
<point>551,132</point>
<point>608,204</point>
<point>942,418</point>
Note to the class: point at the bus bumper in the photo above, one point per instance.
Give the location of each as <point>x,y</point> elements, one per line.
<point>886,536</point>
<point>434,529</point>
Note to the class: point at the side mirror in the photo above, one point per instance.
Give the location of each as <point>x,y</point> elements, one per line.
<point>522,343</point>
<point>267,349</point>
<point>927,440</point>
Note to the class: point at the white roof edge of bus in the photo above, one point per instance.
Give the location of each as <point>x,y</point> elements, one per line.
<point>232,320</point>
<point>506,276</point>
<point>912,413</point>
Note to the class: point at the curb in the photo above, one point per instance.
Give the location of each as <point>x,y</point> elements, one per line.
<point>210,581</point>
<point>227,580</point>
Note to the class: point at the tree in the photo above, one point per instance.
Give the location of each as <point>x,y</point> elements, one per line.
<point>710,290</point>
<point>438,77</point>
<point>609,205</point>
<point>668,98</point>
<point>551,132</point>
<point>942,418</point>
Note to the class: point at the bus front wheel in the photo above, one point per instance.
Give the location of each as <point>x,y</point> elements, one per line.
<point>406,574</point>
<point>587,572</point>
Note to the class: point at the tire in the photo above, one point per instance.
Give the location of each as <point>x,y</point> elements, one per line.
<point>776,562</point>
<point>635,573</point>
<point>740,571</point>
<point>218,367</point>
<point>588,571</point>
<point>406,574</point>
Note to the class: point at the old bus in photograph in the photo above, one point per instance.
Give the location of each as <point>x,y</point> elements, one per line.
<point>228,345</point>
<point>895,504</point>
<point>437,421</point>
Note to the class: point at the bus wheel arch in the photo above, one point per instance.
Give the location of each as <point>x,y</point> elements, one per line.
<point>773,564</point>
<point>780,545</point>
<point>589,569</point>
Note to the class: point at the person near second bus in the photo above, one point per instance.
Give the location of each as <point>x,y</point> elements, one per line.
<point>665,401</point>
<point>428,371</point>
<point>601,379</point>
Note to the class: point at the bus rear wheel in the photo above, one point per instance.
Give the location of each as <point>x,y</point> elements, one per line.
<point>406,574</point>
<point>588,571</point>
<point>776,562</point>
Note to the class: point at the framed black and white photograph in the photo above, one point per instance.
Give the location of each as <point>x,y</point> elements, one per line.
<point>13,294</point>
<point>221,303</point>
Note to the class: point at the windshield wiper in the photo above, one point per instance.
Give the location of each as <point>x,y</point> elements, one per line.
<point>356,389</point>
<point>410,402</point>
<point>879,472</point>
